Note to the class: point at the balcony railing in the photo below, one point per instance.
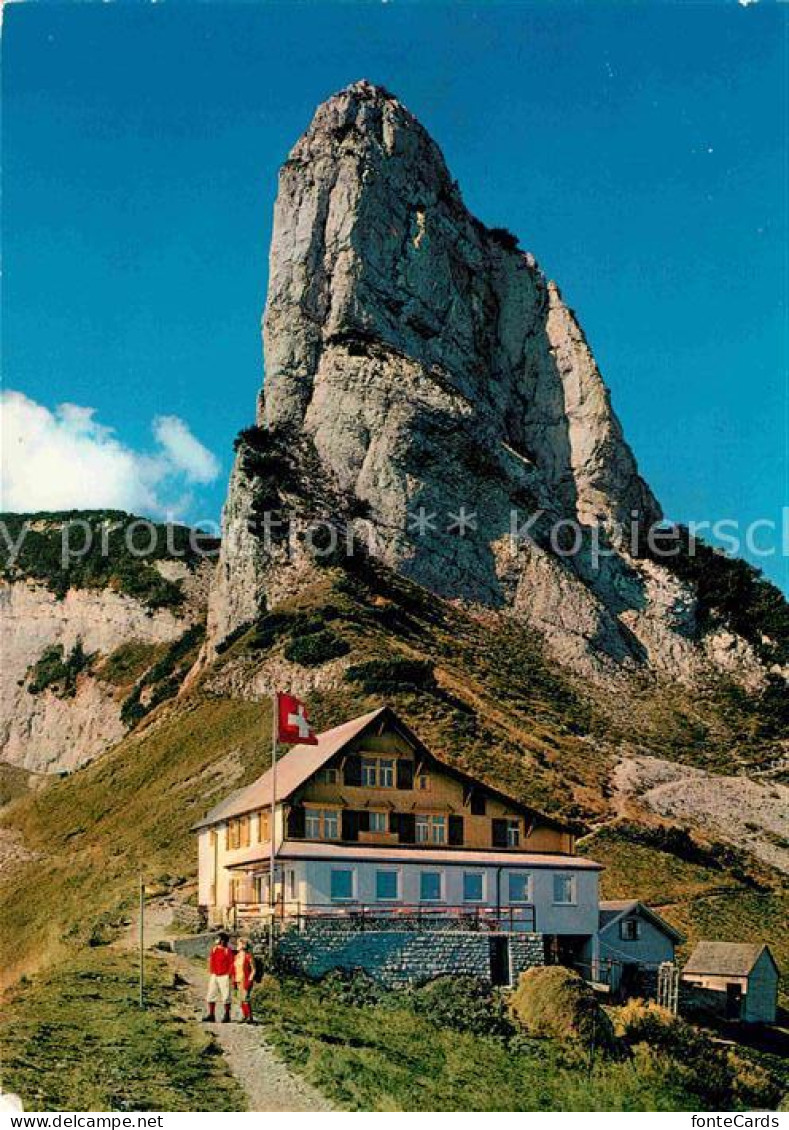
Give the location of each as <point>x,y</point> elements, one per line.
<point>520,918</point>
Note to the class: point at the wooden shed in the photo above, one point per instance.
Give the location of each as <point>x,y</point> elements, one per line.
<point>741,979</point>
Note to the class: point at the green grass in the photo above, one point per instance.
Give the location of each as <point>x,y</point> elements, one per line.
<point>385,1058</point>
<point>75,1039</point>
<point>129,662</point>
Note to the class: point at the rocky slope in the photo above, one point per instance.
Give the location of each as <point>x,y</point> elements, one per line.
<point>75,648</point>
<point>427,388</point>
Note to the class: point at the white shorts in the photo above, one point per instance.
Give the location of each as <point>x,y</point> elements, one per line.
<point>218,988</point>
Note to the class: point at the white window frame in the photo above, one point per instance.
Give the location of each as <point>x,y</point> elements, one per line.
<point>313,815</point>
<point>438,830</point>
<point>397,897</point>
<point>322,815</point>
<point>386,769</point>
<point>422,825</point>
<point>513,832</point>
<point>526,875</point>
<point>369,767</point>
<point>441,885</point>
<point>573,899</point>
<point>376,815</point>
<point>474,875</point>
<point>343,871</point>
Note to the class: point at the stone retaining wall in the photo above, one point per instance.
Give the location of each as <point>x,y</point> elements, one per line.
<point>402,957</point>
<point>194,945</point>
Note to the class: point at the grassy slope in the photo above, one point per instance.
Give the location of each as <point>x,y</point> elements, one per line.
<point>385,1059</point>
<point>75,1039</point>
<point>131,809</point>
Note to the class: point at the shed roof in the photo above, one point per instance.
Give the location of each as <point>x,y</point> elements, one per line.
<point>611,910</point>
<point>729,959</point>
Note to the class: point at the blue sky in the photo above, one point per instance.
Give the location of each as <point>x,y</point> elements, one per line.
<point>639,150</point>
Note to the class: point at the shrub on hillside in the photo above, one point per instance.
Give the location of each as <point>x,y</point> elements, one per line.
<point>354,988</point>
<point>317,648</point>
<point>58,671</point>
<point>718,1076</point>
<point>465,1004</point>
<point>387,675</point>
<point>555,1002</point>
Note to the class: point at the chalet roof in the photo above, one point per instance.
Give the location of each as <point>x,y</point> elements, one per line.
<point>727,959</point>
<point>302,761</point>
<point>611,910</point>
<point>420,853</point>
<point>296,767</point>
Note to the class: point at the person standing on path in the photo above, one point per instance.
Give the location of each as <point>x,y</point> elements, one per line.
<point>244,978</point>
<point>220,966</point>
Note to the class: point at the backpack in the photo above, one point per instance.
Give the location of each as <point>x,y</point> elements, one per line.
<point>258,969</point>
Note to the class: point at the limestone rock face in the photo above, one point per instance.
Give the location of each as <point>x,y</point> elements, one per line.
<point>424,371</point>
<point>46,733</point>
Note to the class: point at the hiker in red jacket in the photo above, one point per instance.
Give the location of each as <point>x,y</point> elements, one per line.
<point>220,967</point>
<point>244,978</point>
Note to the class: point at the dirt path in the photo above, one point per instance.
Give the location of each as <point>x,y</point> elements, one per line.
<point>267,1082</point>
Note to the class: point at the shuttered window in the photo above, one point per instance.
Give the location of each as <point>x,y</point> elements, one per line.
<point>455,826</point>
<point>499,833</point>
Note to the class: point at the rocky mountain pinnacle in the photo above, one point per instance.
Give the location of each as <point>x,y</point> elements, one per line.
<point>428,387</point>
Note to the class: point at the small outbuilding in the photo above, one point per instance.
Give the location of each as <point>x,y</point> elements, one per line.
<point>739,979</point>
<point>632,939</point>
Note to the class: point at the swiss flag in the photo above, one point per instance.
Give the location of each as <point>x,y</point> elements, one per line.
<point>293,725</point>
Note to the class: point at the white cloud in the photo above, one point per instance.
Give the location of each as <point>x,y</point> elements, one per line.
<point>66,459</point>
<point>196,462</point>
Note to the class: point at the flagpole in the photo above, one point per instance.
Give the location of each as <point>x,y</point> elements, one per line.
<point>272,816</point>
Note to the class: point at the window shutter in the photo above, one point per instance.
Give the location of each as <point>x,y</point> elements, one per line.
<point>405,773</point>
<point>455,830</point>
<point>407,828</point>
<point>394,822</point>
<point>364,820</point>
<point>477,803</point>
<point>296,822</point>
<point>352,771</point>
<point>499,831</point>
<point>350,825</point>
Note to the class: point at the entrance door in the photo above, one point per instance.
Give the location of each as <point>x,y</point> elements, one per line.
<point>499,959</point>
<point>733,1001</point>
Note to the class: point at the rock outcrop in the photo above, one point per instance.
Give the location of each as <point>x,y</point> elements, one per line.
<point>47,731</point>
<point>422,372</point>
